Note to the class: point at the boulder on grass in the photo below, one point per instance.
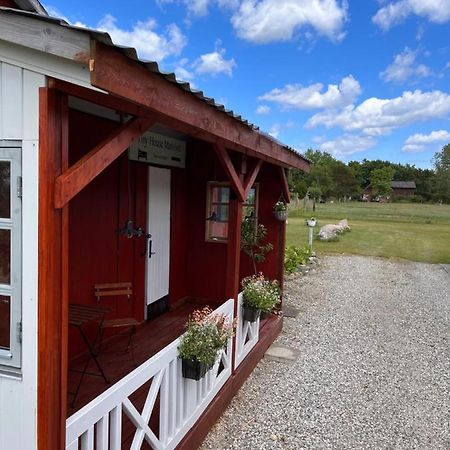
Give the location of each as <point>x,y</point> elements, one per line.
<point>330,232</point>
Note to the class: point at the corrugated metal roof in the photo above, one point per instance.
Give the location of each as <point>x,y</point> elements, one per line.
<point>31,5</point>
<point>152,66</point>
<point>403,184</point>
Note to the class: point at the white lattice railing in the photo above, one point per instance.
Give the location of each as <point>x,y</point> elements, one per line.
<point>247,334</point>
<point>98,425</point>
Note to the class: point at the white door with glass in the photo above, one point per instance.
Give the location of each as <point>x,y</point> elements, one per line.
<point>158,226</point>
<point>10,257</point>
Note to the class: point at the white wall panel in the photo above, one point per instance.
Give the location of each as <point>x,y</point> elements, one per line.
<point>19,120</point>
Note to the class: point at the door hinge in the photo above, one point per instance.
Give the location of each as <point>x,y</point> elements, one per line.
<point>19,332</point>
<point>19,187</point>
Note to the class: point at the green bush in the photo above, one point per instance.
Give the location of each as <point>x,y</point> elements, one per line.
<point>294,257</point>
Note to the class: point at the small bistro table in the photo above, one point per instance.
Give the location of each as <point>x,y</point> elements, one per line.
<point>79,316</point>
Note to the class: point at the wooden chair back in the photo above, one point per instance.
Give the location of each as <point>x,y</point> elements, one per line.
<point>113,289</point>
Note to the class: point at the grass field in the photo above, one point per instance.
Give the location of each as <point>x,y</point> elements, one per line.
<point>395,230</point>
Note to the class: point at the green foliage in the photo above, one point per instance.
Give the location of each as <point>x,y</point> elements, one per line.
<point>205,335</point>
<point>252,237</point>
<point>260,293</point>
<point>380,180</point>
<point>441,161</point>
<point>294,257</point>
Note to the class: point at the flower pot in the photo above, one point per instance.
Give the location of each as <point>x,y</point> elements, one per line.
<point>264,315</point>
<point>281,215</point>
<point>251,314</point>
<point>193,370</point>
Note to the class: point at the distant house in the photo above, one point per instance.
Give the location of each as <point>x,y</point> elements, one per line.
<point>403,188</point>
<point>400,189</point>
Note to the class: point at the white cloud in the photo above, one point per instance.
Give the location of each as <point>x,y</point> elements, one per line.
<point>314,96</point>
<point>377,116</point>
<point>404,67</point>
<point>182,72</point>
<point>347,144</point>
<point>264,21</point>
<point>420,142</point>
<point>214,63</point>
<point>275,130</point>
<point>393,13</point>
<point>263,110</point>
<point>200,7</point>
<point>144,39</point>
<point>55,12</point>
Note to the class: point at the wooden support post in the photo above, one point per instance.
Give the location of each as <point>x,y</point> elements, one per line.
<point>52,295</point>
<point>227,164</point>
<point>251,177</point>
<point>284,184</point>
<point>92,164</point>
<point>233,258</point>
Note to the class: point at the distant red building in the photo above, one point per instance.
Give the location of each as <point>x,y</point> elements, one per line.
<point>400,189</point>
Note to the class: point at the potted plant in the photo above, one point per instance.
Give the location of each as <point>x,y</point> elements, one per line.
<point>252,237</point>
<point>206,334</point>
<point>259,295</point>
<point>311,222</point>
<point>280,210</point>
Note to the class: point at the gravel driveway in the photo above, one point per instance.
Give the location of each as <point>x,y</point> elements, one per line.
<point>373,370</point>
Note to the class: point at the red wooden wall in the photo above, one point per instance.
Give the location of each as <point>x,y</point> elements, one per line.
<point>98,254</point>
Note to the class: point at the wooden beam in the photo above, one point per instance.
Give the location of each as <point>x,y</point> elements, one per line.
<point>78,176</point>
<point>251,177</point>
<point>128,107</point>
<point>227,165</point>
<point>284,184</point>
<point>51,387</point>
<point>44,36</point>
<point>115,73</point>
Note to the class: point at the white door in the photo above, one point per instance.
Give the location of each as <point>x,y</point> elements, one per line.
<point>158,225</point>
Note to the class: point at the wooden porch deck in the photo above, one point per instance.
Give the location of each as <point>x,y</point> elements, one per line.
<point>150,338</point>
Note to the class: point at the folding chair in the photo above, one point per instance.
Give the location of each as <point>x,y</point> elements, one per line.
<point>129,324</point>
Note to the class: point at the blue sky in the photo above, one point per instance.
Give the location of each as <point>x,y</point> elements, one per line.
<point>357,78</point>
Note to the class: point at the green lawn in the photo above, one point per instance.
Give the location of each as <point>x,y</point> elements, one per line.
<point>400,230</point>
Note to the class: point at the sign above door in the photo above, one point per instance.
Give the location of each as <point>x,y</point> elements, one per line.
<point>154,148</point>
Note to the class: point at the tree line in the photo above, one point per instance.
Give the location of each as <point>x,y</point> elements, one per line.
<point>330,178</point>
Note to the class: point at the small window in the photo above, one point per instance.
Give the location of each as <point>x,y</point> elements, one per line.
<point>217,207</point>
<point>10,257</point>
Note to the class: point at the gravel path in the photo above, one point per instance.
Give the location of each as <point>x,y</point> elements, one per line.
<point>373,370</point>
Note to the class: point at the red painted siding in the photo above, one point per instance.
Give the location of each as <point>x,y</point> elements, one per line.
<point>98,254</point>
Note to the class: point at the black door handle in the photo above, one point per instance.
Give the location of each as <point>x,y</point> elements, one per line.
<point>150,244</point>
<point>147,237</point>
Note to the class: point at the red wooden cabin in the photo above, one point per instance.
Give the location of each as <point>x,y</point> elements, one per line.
<point>111,152</point>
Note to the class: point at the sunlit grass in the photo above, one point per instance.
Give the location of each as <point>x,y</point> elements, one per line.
<point>394,230</point>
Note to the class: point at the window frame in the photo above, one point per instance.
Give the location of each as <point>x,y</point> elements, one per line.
<point>11,359</point>
<point>210,186</point>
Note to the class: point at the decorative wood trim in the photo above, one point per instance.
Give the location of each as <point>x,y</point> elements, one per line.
<point>284,184</point>
<point>78,176</point>
<point>227,165</point>
<point>115,73</point>
<point>51,387</point>
<point>251,177</point>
